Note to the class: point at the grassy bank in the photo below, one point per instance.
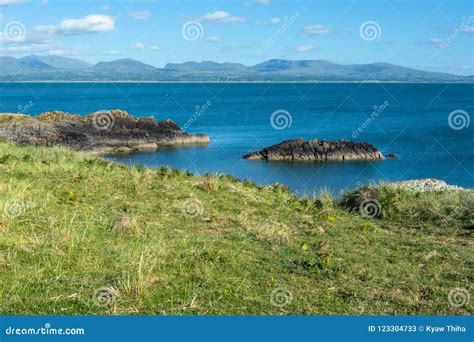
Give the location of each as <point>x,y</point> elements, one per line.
<point>80,235</point>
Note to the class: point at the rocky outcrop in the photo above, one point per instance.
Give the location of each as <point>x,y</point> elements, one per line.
<point>317,150</point>
<point>113,131</point>
<point>428,184</point>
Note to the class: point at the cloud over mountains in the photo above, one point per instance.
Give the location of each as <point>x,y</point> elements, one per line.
<point>93,23</point>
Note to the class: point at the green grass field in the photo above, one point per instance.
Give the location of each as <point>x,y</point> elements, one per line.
<point>81,235</point>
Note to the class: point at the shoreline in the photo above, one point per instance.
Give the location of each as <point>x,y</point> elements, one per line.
<point>238,82</point>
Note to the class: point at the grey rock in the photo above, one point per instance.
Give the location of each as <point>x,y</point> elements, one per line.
<point>113,131</point>
<point>317,150</point>
<point>428,184</point>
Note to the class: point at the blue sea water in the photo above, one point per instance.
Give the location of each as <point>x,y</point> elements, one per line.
<point>409,120</point>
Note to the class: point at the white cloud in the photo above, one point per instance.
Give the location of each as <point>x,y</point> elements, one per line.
<point>222,17</point>
<point>32,44</point>
<point>142,15</point>
<point>105,7</point>
<point>12,2</point>
<point>56,52</point>
<point>435,41</point>
<point>438,42</point>
<point>463,28</point>
<point>260,54</point>
<point>257,3</point>
<point>111,53</point>
<point>213,39</point>
<point>273,21</point>
<point>141,46</point>
<point>467,29</point>
<point>315,30</point>
<point>228,48</point>
<point>61,51</point>
<point>304,48</point>
<point>48,29</point>
<point>94,23</point>
<point>19,37</point>
<point>137,46</point>
<point>26,48</point>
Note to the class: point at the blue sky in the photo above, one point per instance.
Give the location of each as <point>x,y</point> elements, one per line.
<point>430,35</point>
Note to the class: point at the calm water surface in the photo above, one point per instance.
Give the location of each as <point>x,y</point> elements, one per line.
<point>411,121</point>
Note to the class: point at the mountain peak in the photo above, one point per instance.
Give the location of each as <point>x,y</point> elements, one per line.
<point>58,62</point>
<point>36,67</point>
<point>123,65</point>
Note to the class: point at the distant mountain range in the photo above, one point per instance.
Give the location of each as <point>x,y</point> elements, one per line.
<point>56,68</point>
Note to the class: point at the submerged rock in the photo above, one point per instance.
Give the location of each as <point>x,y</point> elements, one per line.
<point>113,131</point>
<point>317,150</point>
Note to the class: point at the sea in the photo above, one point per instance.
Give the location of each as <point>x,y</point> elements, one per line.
<point>427,126</point>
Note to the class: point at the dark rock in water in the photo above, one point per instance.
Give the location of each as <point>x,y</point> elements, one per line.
<point>113,131</point>
<point>391,156</point>
<point>317,150</point>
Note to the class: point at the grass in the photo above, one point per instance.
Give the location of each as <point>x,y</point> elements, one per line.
<point>81,235</point>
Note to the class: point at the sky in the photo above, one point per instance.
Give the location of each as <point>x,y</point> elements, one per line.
<point>436,35</point>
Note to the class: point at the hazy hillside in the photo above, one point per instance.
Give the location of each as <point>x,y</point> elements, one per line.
<point>71,69</point>
<point>123,65</point>
<point>57,62</point>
